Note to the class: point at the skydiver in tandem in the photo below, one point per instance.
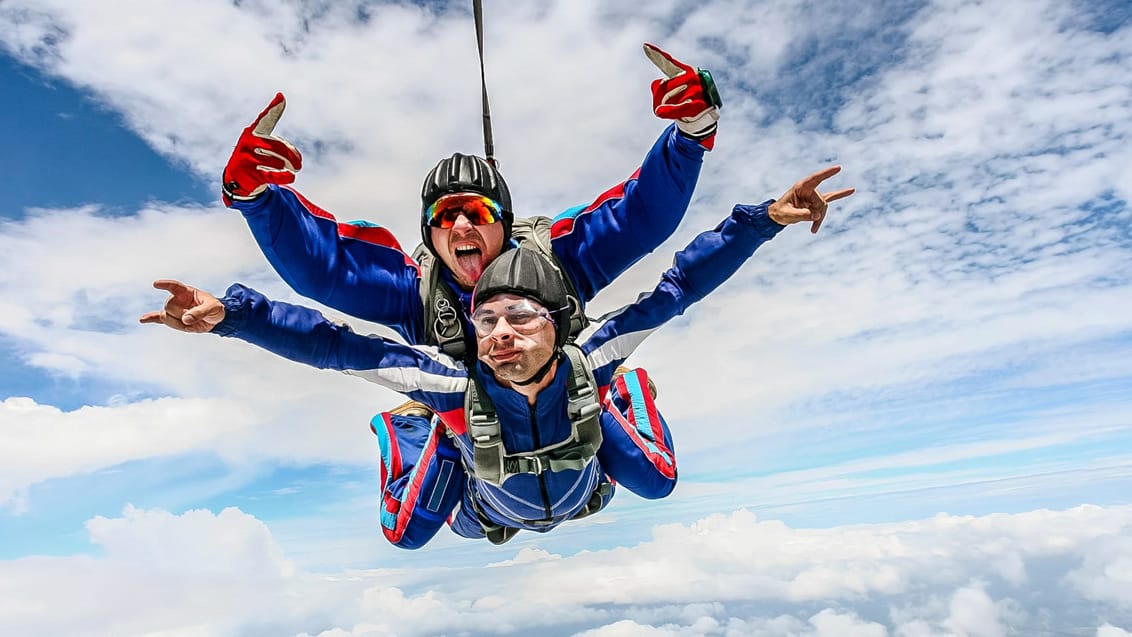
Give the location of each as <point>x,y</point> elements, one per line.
<point>538,430</point>
<point>467,221</point>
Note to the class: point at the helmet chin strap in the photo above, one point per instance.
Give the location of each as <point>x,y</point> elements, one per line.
<point>541,373</point>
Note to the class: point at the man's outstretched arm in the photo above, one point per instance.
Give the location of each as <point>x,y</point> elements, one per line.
<point>598,242</point>
<point>704,264</point>
<point>304,335</point>
<point>359,269</point>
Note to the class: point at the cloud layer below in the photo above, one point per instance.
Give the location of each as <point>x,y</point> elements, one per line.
<point>1038,573</point>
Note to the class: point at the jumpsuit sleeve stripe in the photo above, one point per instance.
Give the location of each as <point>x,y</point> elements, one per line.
<point>564,222</point>
<point>635,395</point>
<point>408,379</point>
<point>421,372</point>
<point>362,231</point>
<point>617,349</point>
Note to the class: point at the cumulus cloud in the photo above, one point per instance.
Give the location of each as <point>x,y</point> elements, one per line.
<point>988,214</point>
<point>961,326</point>
<point>40,442</point>
<point>726,575</point>
<point>224,543</point>
<point>78,320</point>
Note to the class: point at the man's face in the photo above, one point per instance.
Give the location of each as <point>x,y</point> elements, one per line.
<point>515,336</point>
<point>467,248</point>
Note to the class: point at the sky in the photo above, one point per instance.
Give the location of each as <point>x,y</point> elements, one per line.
<point>916,423</point>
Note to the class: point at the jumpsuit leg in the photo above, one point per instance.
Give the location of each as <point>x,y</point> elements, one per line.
<point>422,477</point>
<point>636,449</point>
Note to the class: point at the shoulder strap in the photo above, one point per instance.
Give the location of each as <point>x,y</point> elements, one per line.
<point>442,309</point>
<point>583,397</point>
<point>534,233</point>
<point>483,428</point>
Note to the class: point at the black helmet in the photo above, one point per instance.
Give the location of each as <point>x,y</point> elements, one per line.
<point>465,173</point>
<point>526,273</point>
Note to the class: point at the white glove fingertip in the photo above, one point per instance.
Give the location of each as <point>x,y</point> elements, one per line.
<point>661,61</point>
<point>266,125</point>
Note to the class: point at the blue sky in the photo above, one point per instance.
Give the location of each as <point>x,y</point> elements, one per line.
<point>916,422</point>
<point>49,124</point>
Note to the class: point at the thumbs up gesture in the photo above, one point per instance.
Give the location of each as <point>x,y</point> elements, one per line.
<point>685,94</point>
<point>260,157</point>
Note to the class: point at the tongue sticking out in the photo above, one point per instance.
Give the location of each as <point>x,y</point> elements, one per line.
<point>471,263</point>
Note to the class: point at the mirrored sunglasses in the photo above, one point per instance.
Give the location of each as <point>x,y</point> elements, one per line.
<point>478,209</point>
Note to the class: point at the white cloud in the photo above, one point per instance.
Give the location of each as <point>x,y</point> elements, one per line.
<point>974,613</point>
<point>221,544</point>
<point>830,623</point>
<point>39,442</point>
<point>725,575</point>
<point>919,299</point>
<point>962,323</point>
<point>1106,573</point>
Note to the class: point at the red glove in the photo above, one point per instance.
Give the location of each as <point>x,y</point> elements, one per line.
<point>260,158</point>
<point>687,95</point>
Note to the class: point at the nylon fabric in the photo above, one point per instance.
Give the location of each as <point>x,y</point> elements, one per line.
<point>537,502</point>
<point>492,462</point>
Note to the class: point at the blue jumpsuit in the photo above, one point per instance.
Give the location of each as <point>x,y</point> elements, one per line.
<point>362,271</point>
<point>435,483</point>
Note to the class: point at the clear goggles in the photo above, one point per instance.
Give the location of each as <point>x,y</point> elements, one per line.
<point>524,316</point>
<point>478,209</point>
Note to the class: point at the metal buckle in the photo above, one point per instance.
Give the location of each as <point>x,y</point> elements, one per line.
<point>524,464</point>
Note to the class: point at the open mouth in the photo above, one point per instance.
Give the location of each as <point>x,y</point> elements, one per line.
<point>469,258</point>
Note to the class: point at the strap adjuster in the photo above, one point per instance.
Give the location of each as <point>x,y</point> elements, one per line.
<point>524,464</point>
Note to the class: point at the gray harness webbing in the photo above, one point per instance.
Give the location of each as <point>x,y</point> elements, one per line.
<point>492,462</point>
<point>443,326</point>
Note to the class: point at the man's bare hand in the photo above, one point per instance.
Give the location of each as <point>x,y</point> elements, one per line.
<point>803,202</point>
<point>187,309</point>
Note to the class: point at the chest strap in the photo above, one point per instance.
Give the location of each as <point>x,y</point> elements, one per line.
<point>492,462</point>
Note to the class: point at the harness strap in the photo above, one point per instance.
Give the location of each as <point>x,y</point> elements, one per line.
<point>483,429</point>
<point>596,500</point>
<point>539,237</point>
<point>443,325</point>
<point>442,308</point>
<point>447,329</point>
<point>492,462</point>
